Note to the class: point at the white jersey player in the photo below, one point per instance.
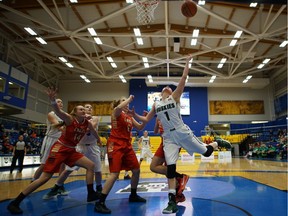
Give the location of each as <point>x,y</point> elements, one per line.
<point>144,146</point>
<point>176,133</point>
<point>51,136</point>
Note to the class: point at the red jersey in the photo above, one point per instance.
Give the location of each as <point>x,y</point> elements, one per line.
<point>74,133</point>
<point>122,127</point>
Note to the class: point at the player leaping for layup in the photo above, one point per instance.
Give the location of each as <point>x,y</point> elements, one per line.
<point>176,133</point>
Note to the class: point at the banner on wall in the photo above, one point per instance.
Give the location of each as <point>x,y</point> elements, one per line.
<point>208,159</point>
<point>187,157</point>
<point>6,161</point>
<point>224,157</point>
<point>236,107</point>
<point>184,101</point>
<point>100,108</point>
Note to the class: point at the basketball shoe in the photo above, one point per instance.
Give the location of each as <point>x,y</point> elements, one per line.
<point>93,196</point>
<point>101,208</point>
<point>223,143</point>
<point>136,198</point>
<point>127,177</point>
<point>180,198</point>
<point>62,191</point>
<point>171,208</point>
<point>181,183</point>
<point>52,193</point>
<point>14,209</point>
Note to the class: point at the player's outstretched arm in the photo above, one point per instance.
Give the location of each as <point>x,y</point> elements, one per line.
<point>148,116</point>
<point>67,118</point>
<point>180,88</point>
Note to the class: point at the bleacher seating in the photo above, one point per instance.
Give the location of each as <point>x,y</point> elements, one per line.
<point>233,139</point>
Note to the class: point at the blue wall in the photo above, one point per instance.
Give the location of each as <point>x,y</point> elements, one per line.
<point>198,118</point>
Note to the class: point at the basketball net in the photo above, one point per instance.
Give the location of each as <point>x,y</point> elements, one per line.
<point>145,10</point>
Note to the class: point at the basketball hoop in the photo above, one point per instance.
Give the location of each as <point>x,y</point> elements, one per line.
<point>145,10</point>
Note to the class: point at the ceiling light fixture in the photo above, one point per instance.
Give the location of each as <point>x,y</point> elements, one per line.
<point>145,60</point>
<point>137,32</point>
<point>74,1</point>
<point>140,41</point>
<point>265,61</point>
<point>201,2</point>
<point>150,80</point>
<point>238,34</point>
<point>92,31</point>
<point>283,44</point>
<point>190,63</point>
<point>195,35</point>
<point>247,78</point>
<point>193,42</point>
<point>146,65</point>
<point>222,62</point>
<point>129,1</point>
<point>113,65</point>
<point>98,40</point>
<point>85,78</point>
<point>122,78</point>
<point>41,40</point>
<point>69,65</point>
<point>260,66</point>
<point>110,59</point>
<point>30,31</point>
<point>63,59</point>
<point>212,79</point>
<point>253,4</point>
<point>233,42</point>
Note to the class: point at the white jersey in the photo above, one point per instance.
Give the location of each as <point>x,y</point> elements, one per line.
<point>53,131</point>
<point>168,112</point>
<point>51,136</point>
<point>89,138</point>
<point>145,142</point>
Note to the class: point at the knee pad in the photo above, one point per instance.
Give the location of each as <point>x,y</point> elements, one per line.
<point>171,171</point>
<point>209,151</point>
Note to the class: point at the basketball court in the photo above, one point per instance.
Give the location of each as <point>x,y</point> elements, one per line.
<point>239,187</point>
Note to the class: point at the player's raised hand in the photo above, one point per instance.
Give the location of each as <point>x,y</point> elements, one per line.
<point>51,92</point>
<point>131,98</point>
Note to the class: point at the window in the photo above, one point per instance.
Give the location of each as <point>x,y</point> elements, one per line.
<point>16,90</point>
<point>2,84</point>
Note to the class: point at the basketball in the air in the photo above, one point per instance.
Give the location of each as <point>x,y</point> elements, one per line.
<point>189,8</point>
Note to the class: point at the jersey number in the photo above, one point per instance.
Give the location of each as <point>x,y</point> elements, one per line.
<point>167,116</point>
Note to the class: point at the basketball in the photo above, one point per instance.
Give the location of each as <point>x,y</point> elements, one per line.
<point>189,8</point>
